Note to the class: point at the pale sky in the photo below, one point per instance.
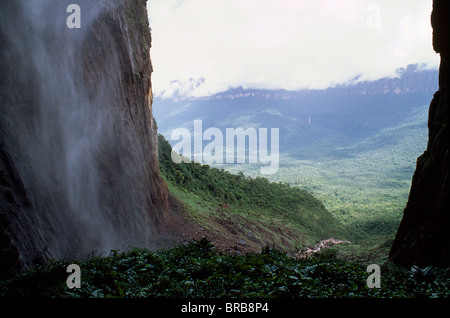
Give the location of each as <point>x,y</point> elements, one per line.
<point>202,47</point>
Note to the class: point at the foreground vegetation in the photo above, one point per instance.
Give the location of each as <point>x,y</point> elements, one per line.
<point>199,270</point>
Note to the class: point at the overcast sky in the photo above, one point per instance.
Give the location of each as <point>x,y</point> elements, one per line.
<point>202,47</point>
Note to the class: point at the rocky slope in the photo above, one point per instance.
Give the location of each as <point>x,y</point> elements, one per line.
<point>423,235</point>
<point>78,144</point>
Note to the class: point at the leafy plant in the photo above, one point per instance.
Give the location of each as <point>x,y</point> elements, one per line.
<point>198,269</point>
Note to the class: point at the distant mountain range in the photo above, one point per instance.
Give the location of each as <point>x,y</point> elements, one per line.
<point>412,79</point>
<point>312,123</point>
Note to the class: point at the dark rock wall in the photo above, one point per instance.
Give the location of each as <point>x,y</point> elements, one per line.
<point>423,237</point>
<point>78,144</point>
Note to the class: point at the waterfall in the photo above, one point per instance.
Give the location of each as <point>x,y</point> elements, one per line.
<point>82,168</point>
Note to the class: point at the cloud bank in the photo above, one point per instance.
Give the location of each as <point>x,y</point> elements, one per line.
<point>202,47</point>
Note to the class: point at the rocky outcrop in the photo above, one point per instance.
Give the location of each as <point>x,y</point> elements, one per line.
<point>423,236</point>
<point>78,144</point>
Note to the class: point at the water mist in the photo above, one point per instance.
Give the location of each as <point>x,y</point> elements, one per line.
<point>77,135</point>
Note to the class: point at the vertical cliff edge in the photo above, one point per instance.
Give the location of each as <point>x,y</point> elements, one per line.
<point>423,237</point>
<point>78,144</point>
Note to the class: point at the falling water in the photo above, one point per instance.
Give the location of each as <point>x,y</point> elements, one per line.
<point>60,138</point>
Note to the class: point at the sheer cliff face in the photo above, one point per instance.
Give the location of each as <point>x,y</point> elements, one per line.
<point>78,145</point>
<point>423,236</point>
